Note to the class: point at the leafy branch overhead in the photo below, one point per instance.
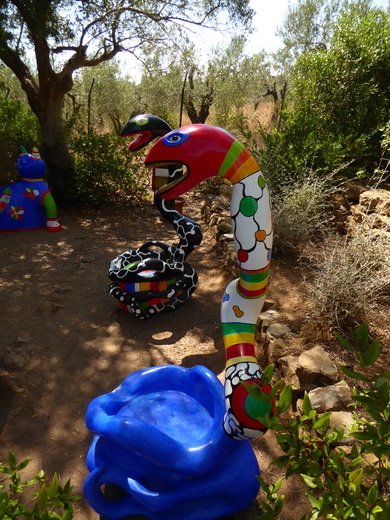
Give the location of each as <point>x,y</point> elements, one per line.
<point>64,36</point>
<point>96,32</point>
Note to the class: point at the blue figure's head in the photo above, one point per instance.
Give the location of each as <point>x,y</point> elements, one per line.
<point>30,166</point>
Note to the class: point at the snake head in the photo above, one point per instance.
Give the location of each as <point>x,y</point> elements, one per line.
<point>145,128</point>
<point>200,150</point>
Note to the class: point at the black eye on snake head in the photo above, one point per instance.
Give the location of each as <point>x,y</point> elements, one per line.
<point>176,138</point>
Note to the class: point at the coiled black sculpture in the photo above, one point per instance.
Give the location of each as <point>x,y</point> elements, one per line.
<point>155,277</point>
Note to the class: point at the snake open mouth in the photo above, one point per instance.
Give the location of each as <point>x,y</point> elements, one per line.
<point>175,174</point>
<point>139,140</point>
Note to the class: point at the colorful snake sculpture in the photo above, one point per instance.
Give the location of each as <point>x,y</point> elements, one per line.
<point>202,151</point>
<point>159,448</point>
<point>155,277</point>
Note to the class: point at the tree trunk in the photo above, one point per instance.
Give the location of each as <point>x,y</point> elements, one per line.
<point>205,101</point>
<point>47,106</point>
<point>59,163</point>
<point>60,171</point>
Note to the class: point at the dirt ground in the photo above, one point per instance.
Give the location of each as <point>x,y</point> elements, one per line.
<point>64,341</point>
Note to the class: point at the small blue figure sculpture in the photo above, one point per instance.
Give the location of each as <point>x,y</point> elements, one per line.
<point>28,204</point>
<point>159,441</point>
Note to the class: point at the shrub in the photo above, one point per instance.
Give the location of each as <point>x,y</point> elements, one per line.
<point>352,277</point>
<point>18,126</point>
<point>300,210</point>
<point>381,174</point>
<point>106,172</point>
<point>338,99</point>
<point>51,501</point>
<point>341,483</point>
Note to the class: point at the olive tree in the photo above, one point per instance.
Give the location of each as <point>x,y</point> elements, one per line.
<point>308,25</point>
<point>106,96</point>
<point>45,41</point>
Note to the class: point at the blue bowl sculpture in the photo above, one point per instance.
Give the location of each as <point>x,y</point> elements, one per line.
<point>159,441</point>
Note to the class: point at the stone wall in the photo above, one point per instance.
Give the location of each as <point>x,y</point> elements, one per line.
<point>355,204</point>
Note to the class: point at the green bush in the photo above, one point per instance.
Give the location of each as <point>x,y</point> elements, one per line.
<point>18,126</point>
<point>341,483</point>
<point>51,501</point>
<point>106,172</point>
<point>339,100</point>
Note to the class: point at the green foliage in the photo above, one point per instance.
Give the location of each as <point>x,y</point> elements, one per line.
<point>308,25</point>
<point>339,99</point>
<point>106,173</point>
<point>382,173</point>
<point>18,126</point>
<point>238,80</point>
<point>341,483</point>
<point>225,86</point>
<point>52,501</point>
<point>106,98</point>
<point>160,88</point>
<point>62,37</point>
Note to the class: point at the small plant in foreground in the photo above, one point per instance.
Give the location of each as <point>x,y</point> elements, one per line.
<point>342,482</point>
<point>51,501</point>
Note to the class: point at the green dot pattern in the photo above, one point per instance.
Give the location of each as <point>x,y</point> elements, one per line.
<point>248,206</point>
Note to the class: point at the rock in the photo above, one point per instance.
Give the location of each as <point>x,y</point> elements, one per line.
<point>49,308</point>
<point>24,338</point>
<point>16,358</point>
<point>357,216</point>
<point>330,398</point>
<point>227,237</point>
<point>339,201</point>
<point>226,189</point>
<point>315,366</point>
<point>340,219</point>
<point>341,209</point>
<point>376,201</point>
<point>61,290</point>
<point>373,211</point>
<point>344,420</point>
<point>221,221</point>
<point>380,221</point>
<point>233,256</point>
<point>288,366</point>
<point>268,317</point>
<point>278,330</point>
<point>276,349</point>
<point>268,304</point>
<point>224,228</point>
<point>352,191</point>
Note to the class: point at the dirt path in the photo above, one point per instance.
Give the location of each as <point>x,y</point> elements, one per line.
<point>64,341</point>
